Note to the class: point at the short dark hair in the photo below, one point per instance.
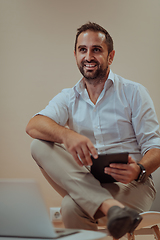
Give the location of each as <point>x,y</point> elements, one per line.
<point>95,28</point>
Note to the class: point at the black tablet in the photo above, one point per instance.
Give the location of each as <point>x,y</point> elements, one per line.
<point>97,169</point>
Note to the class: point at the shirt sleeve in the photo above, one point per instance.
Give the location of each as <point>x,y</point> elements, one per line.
<point>57,109</point>
<point>144,120</point>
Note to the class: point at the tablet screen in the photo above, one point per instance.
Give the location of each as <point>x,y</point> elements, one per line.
<point>97,169</point>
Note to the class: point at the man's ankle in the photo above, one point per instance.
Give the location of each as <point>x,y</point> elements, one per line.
<point>107,204</point>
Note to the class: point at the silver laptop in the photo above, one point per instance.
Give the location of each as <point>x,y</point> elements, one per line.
<point>23,213</point>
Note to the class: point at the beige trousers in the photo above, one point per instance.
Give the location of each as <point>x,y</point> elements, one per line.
<point>82,193</point>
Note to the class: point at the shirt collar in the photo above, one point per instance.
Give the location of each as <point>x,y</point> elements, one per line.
<point>80,86</point>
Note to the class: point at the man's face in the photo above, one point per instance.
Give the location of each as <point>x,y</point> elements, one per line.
<point>92,56</point>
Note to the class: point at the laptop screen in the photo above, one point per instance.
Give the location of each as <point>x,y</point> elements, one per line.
<point>23,211</point>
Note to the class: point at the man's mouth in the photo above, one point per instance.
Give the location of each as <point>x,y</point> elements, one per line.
<point>90,66</point>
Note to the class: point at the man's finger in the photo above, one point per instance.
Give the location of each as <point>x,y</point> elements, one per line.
<point>82,157</point>
<point>87,157</point>
<point>92,150</point>
<point>76,158</point>
<point>118,165</point>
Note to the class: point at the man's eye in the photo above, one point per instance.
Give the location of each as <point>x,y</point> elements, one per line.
<point>96,50</point>
<point>82,49</point>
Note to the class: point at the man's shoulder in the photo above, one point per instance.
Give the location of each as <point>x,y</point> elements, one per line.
<point>67,91</point>
<point>127,83</point>
<point>130,89</point>
<point>67,94</point>
<point>75,90</point>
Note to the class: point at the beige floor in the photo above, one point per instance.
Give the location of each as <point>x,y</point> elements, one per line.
<point>149,237</point>
<point>144,237</point>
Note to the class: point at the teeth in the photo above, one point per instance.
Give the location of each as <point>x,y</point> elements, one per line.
<point>90,65</point>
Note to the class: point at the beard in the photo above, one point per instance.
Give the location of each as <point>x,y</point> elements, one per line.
<point>93,76</point>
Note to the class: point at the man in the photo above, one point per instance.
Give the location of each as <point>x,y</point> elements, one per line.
<point>105,113</point>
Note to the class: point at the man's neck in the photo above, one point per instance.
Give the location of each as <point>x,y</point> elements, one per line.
<point>94,89</point>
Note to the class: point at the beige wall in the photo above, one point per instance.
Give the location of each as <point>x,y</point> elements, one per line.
<point>36,61</point>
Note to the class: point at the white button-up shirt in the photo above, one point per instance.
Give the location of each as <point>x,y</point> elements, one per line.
<point>123,118</point>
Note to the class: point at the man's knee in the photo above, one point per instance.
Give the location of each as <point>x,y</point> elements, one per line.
<point>40,150</point>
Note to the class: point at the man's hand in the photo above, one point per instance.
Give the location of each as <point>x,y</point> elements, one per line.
<point>42,127</point>
<point>124,173</point>
<point>80,147</point>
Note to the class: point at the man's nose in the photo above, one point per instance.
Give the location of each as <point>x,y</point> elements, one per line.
<point>89,56</point>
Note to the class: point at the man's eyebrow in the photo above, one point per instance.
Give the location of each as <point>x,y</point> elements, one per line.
<point>81,46</point>
<point>98,46</point>
<point>84,46</point>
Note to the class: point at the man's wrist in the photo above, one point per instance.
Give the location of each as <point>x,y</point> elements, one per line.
<point>142,175</point>
<point>138,172</point>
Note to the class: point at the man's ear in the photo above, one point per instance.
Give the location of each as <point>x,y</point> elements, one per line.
<point>111,57</point>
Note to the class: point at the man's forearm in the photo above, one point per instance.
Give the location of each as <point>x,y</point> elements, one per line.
<point>151,160</point>
<point>79,146</point>
<point>44,128</point>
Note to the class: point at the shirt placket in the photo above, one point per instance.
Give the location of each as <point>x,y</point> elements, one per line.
<point>96,126</point>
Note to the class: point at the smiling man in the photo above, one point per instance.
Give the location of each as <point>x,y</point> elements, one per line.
<point>93,60</point>
<point>103,113</point>
<point>92,56</point>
